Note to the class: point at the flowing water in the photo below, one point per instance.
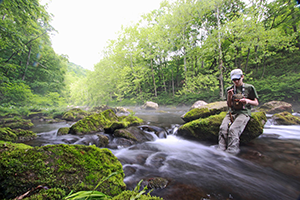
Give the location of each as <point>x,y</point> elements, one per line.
<point>267,168</point>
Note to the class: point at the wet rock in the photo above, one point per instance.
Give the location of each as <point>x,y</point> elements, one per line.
<point>286,118</point>
<point>157,183</point>
<point>208,128</point>
<point>198,104</point>
<point>160,132</point>
<point>149,105</point>
<point>103,140</point>
<point>273,107</point>
<point>129,170</point>
<point>205,111</point>
<point>134,134</point>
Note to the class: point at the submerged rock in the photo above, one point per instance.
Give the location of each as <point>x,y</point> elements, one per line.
<point>68,167</point>
<point>205,111</point>
<point>157,183</point>
<point>208,128</point>
<point>286,118</point>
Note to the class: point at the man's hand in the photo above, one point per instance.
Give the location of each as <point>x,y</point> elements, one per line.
<point>230,93</point>
<point>244,101</point>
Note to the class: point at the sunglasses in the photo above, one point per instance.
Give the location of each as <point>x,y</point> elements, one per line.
<point>236,79</point>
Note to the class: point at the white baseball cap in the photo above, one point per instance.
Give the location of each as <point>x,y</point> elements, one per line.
<point>236,74</point>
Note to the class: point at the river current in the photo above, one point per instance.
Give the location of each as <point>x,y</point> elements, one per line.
<point>267,168</point>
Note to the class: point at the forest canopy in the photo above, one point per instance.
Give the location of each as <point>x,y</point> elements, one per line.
<point>175,55</point>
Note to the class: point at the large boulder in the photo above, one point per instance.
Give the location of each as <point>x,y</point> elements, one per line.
<point>198,104</point>
<point>149,105</point>
<point>208,128</point>
<point>68,167</point>
<point>273,107</point>
<point>285,118</point>
<point>75,114</point>
<point>205,111</point>
<point>106,121</point>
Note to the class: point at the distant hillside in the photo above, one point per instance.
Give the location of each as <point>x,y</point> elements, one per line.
<point>77,70</point>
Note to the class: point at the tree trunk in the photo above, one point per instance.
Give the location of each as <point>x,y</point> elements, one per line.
<point>173,88</point>
<point>27,64</point>
<point>221,93</point>
<point>155,92</point>
<point>246,65</point>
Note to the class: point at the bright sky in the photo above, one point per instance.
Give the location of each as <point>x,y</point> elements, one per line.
<point>84,27</point>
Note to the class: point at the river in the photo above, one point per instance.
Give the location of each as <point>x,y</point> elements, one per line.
<point>267,168</point>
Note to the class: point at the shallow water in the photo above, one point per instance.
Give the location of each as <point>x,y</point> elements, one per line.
<point>267,168</point>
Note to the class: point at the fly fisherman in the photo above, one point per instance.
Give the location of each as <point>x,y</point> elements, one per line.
<point>240,98</point>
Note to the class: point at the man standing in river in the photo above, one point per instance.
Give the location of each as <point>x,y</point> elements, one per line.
<point>240,98</point>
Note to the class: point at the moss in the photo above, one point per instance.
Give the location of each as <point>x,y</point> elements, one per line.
<point>132,195</point>
<point>75,167</point>
<point>203,129</point>
<point>9,146</point>
<point>16,122</point>
<point>208,128</point>
<point>205,111</point>
<point>63,131</point>
<point>125,134</point>
<point>106,120</point>
<point>48,194</point>
<point>286,118</point>
<point>254,127</point>
<point>17,135</point>
<point>75,114</point>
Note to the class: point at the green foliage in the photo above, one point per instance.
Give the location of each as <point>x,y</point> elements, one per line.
<point>88,195</point>
<point>282,88</point>
<point>15,94</point>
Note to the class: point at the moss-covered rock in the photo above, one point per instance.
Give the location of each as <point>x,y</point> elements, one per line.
<point>75,114</point>
<point>68,167</point>
<point>205,111</point>
<point>16,135</point>
<point>63,131</point>
<point>16,122</point>
<point>102,108</point>
<point>208,128</point>
<point>103,140</point>
<point>10,146</point>
<point>286,118</point>
<point>106,120</point>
